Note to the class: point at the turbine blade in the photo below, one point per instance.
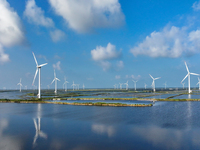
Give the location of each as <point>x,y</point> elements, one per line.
<point>53,81</point>
<point>54,74</point>
<point>35,59</point>
<point>35,76</point>
<point>185,77</point>
<point>57,79</point>
<point>42,65</point>
<point>157,78</point>
<point>195,74</point>
<point>187,67</point>
<point>151,77</point>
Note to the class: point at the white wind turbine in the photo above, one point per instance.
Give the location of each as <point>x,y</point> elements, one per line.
<point>55,80</point>
<point>183,84</point>
<point>83,86</point>
<point>20,85</point>
<point>73,85</point>
<point>145,85</point>
<point>126,85</point>
<point>153,83</point>
<point>165,84</point>
<point>114,86</point>
<point>39,77</point>
<point>135,83</point>
<point>120,84</point>
<point>65,84</point>
<point>188,75</point>
<point>198,83</point>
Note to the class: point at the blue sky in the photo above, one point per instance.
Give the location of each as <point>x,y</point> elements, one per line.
<point>99,42</point>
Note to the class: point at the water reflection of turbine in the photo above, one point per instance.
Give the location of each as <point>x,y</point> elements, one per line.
<point>189,114</point>
<point>38,132</point>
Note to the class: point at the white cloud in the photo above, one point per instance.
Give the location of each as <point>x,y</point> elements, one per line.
<point>133,77</point>
<point>196,6</point>
<point>105,65</point>
<point>57,35</point>
<point>36,16</point>
<point>57,66</point>
<point>117,77</point>
<point>85,15</point>
<point>11,32</point>
<point>3,57</point>
<point>105,53</point>
<point>170,42</point>
<point>120,64</point>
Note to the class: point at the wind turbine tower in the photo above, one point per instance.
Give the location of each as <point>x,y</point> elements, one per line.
<point>153,83</point>
<point>83,86</point>
<point>73,85</point>
<point>126,85</point>
<point>39,77</point>
<point>65,84</point>
<point>20,85</point>
<point>183,84</point>
<point>198,83</point>
<point>135,83</point>
<point>120,84</point>
<point>188,75</point>
<point>165,85</point>
<point>55,80</point>
<point>145,85</point>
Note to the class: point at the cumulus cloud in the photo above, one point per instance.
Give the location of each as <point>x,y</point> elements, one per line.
<point>57,35</point>
<point>196,6</point>
<point>170,42</point>
<point>11,32</point>
<point>133,77</point>
<point>85,15</point>
<point>117,77</point>
<point>57,66</point>
<point>36,16</point>
<point>102,54</point>
<point>120,64</point>
<point>105,53</point>
<point>105,65</point>
<point>3,57</point>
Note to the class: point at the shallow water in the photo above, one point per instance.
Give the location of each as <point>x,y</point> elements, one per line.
<point>166,125</point>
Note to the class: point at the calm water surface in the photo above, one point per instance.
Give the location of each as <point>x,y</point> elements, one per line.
<point>166,125</point>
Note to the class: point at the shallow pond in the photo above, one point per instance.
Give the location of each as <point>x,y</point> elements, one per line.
<point>166,125</point>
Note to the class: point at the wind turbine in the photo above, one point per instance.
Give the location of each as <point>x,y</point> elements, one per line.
<point>20,85</point>
<point>120,84</point>
<point>126,85</point>
<point>55,80</point>
<point>39,77</point>
<point>135,83</point>
<point>183,84</point>
<point>153,83</point>
<point>188,75</point>
<point>73,85</point>
<point>65,84</point>
<point>198,83</point>
<point>114,86</point>
<point>145,85</point>
<point>165,84</point>
<point>83,86</point>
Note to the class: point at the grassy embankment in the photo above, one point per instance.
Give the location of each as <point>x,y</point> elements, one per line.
<point>75,103</point>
